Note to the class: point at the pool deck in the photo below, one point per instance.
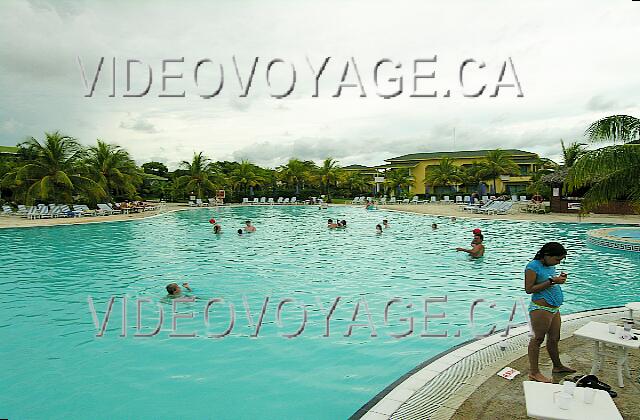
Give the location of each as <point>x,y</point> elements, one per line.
<point>515,214</point>
<point>462,383</point>
<point>20,222</point>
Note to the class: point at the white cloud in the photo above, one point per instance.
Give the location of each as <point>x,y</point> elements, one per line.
<point>572,60</point>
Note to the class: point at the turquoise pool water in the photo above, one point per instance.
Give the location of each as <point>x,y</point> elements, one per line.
<point>55,367</point>
<point>626,233</point>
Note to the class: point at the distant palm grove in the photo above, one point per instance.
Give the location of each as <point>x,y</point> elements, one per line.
<point>58,169</point>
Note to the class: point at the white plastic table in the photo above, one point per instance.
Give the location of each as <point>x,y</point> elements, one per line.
<point>541,403</point>
<point>632,306</point>
<point>599,333</point>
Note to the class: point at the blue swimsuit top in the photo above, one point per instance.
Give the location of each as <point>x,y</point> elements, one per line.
<point>552,295</point>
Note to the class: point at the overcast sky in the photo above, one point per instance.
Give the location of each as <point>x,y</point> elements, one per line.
<point>576,61</point>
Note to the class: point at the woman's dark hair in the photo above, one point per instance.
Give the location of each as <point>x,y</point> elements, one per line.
<point>480,235</point>
<point>554,249</point>
<point>172,288</point>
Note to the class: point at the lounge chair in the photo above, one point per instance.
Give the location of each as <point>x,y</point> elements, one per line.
<point>383,200</point>
<point>504,208</point>
<point>293,200</point>
<point>270,201</point>
<point>392,200</point>
<point>285,201</point>
<point>405,201</point>
<point>491,206</point>
<point>263,200</point>
<point>514,198</point>
<point>192,204</point>
<point>103,210</point>
<point>475,208</point>
<point>22,210</point>
<point>245,200</point>
<point>280,200</point>
<point>33,212</point>
<point>84,210</point>
<point>459,199</point>
<point>523,198</point>
<point>7,211</point>
<point>55,211</point>
<point>433,199</point>
<point>467,199</point>
<point>255,201</point>
<point>355,200</point>
<point>44,212</point>
<point>201,203</point>
<point>485,198</point>
<point>446,199</point>
<point>415,200</point>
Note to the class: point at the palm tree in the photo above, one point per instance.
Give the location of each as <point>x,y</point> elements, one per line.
<point>245,176</point>
<point>113,169</point>
<point>498,162</point>
<point>572,153</point>
<point>355,182</point>
<point>53,172</point>
<point>615,128</point>
<point>200,175</point>
<point>397,180</point>
<point>611,172</point>
<point>444,174</point>
<point>295,172</point>
<point>328,172</point>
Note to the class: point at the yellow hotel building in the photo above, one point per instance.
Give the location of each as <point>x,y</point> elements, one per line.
<point>418,163</point>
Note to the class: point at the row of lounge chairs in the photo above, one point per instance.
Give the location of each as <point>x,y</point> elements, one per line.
<point>43,211</point>
<point>271,201</point>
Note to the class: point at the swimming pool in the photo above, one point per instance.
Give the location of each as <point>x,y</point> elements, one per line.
<point>626,233</point>
<point>55,367</point>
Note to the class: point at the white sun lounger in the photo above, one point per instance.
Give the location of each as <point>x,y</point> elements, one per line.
<point>7,211</point>
<point>263,200</point>
<point>446,199</point>
<point>245,200</point>
<point>294,200</point>
<point>459,199</point>
<point>270,201</point>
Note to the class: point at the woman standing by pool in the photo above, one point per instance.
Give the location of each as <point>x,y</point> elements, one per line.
<point>542,283</point>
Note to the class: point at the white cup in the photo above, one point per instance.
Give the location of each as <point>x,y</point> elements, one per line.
<point>589,395</point>
<point>612,328</point>
<point>568,388</point>
<point>627,326</point>
<point>563,400</point>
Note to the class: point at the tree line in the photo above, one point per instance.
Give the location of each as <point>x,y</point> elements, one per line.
<point>58,169</point>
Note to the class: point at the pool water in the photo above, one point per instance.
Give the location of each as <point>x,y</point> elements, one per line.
<point>55,366</point>
<point>626,233</point>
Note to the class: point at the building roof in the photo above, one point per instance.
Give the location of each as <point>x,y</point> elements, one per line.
<point>12,150</point>
<point>460,154</point>
<point>355,167</point>
<point>394,165</point>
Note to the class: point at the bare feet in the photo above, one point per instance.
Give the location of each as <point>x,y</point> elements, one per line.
<point>539,377</point>
<point>563,369</point>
